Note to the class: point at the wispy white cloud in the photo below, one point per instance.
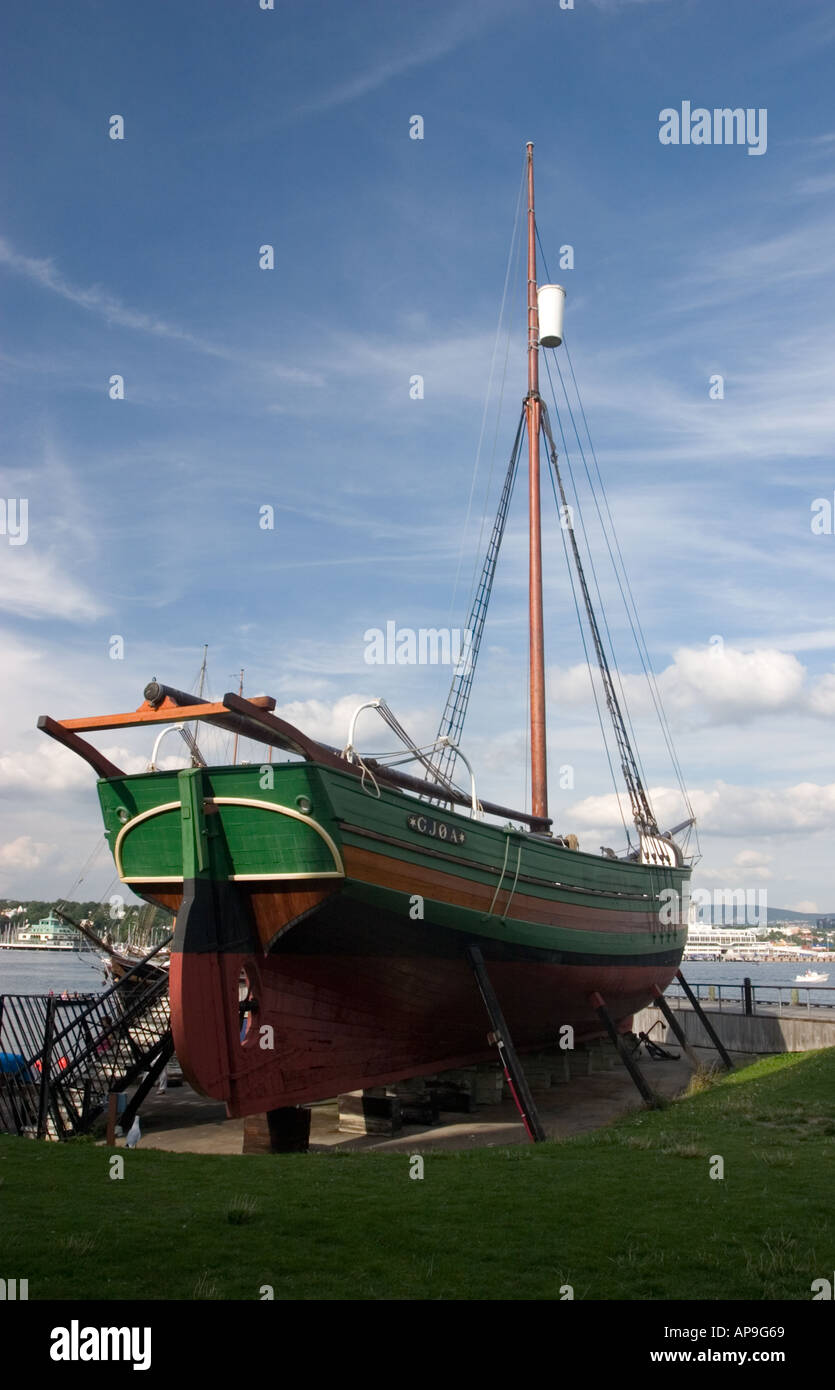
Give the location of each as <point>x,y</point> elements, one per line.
<point>457,27</point>
<point>804,253</point>
<point>95,299</point>
<point>37,584</point>
<point>821,183</point>
<point>622,4</point>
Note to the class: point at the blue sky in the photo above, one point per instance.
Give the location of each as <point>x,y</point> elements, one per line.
<point>246,387</point>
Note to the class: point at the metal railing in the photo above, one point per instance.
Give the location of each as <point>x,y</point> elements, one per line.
<point>60,1059</point>
<point>747,998</point>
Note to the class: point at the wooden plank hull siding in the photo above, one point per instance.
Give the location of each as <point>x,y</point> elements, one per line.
<point>352,1022</point>
<point>350,913</point>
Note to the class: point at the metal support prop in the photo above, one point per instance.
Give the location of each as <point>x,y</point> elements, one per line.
<point>46,1062</point>
<point>599,1006</point>
<point>516,1078</point>
<point>705,1022</point>
<point>674,1024</point>
<point>161,1060</point>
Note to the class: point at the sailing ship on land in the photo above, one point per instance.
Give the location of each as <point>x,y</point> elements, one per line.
<point>301,877</point>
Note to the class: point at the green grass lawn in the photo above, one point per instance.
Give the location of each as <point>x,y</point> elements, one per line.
<point>627,1213</point>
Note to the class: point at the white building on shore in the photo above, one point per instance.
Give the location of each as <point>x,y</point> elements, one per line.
<point>723,941</point>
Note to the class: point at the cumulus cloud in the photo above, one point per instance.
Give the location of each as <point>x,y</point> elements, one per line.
<point>822,696</point>
<point>747,867</point>
<point>716,684</point>
<point>37,585</point>
<point>22,853</point>
<point>729,684</point>
<point>46,768</point>
<point>329,722</point>
<point>726,810</point>
<point>733,810</point>
<point>605,811</point>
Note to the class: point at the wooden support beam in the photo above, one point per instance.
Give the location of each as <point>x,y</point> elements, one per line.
<point>674,1024</point>
<point>252,719</point>
<point>285,1130</point>
<point>500,1035</point>
<point>360,1112</point>
<point>705,1022</point>
<point>98,762</point>
<point>166,1051</point>
<point>599,1006</point>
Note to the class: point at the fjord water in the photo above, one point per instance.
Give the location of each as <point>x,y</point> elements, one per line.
<point>761,973</point>
<point>38,972</point>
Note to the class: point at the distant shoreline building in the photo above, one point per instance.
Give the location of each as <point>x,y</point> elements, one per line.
<point>718,941</point>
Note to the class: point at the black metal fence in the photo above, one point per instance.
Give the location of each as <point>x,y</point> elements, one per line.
<point>748,998</point>
<point>60,1059</point>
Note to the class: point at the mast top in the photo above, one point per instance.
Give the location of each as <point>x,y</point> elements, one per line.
<point>539,761</point>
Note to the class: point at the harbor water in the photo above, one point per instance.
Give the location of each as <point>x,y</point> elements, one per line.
<point>763,973</point>
<point>38,972</point>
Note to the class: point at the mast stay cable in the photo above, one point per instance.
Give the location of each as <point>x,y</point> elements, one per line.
<point>641,810</point>
<point>619,569</point>
<point>572,581</point>
<point>455,710</point>
<point>630,607</point>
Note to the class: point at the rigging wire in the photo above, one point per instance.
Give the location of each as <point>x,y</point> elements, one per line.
<point>589,552</point>
<point>621,574</point>
<point>589,665</point>
<point>640,639</point>
<point>515,242</point>
<point>591,564</point>
<point>94,854</point>
<point>526,685</point>
<point>567,454</point>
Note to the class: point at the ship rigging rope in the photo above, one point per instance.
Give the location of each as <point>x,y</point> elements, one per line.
<point>640,639</point>
<point>95,853</point>
<point>589,665</point>
<point>620,570</point>
<point>501,875</point>
<point>601,607</point>
<point>515,245</point>
<point>621,577</point>
<point>367,773</point>
<point>515,879</point>
<point>390,718</point>
<point>642,812</point>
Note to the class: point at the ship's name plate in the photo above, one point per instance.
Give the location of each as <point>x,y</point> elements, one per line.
<point>425,825</point>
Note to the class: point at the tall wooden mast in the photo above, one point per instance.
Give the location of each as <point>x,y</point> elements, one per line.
<point>539,770</point>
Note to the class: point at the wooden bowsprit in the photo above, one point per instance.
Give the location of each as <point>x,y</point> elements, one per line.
<point>500,1036</point>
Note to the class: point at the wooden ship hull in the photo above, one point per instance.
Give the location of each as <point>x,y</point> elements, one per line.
<point>335,930</point>
<point>348,921</point>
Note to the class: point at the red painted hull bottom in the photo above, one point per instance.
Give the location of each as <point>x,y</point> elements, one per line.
<point>327,1024</point>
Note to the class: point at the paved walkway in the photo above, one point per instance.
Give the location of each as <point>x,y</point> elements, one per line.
<point>181,1121</point>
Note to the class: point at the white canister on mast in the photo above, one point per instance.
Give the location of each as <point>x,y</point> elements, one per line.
<point>551,307</point>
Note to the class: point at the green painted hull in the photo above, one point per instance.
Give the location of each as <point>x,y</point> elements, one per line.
<point>509,885</point>
<point>347,915</point>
